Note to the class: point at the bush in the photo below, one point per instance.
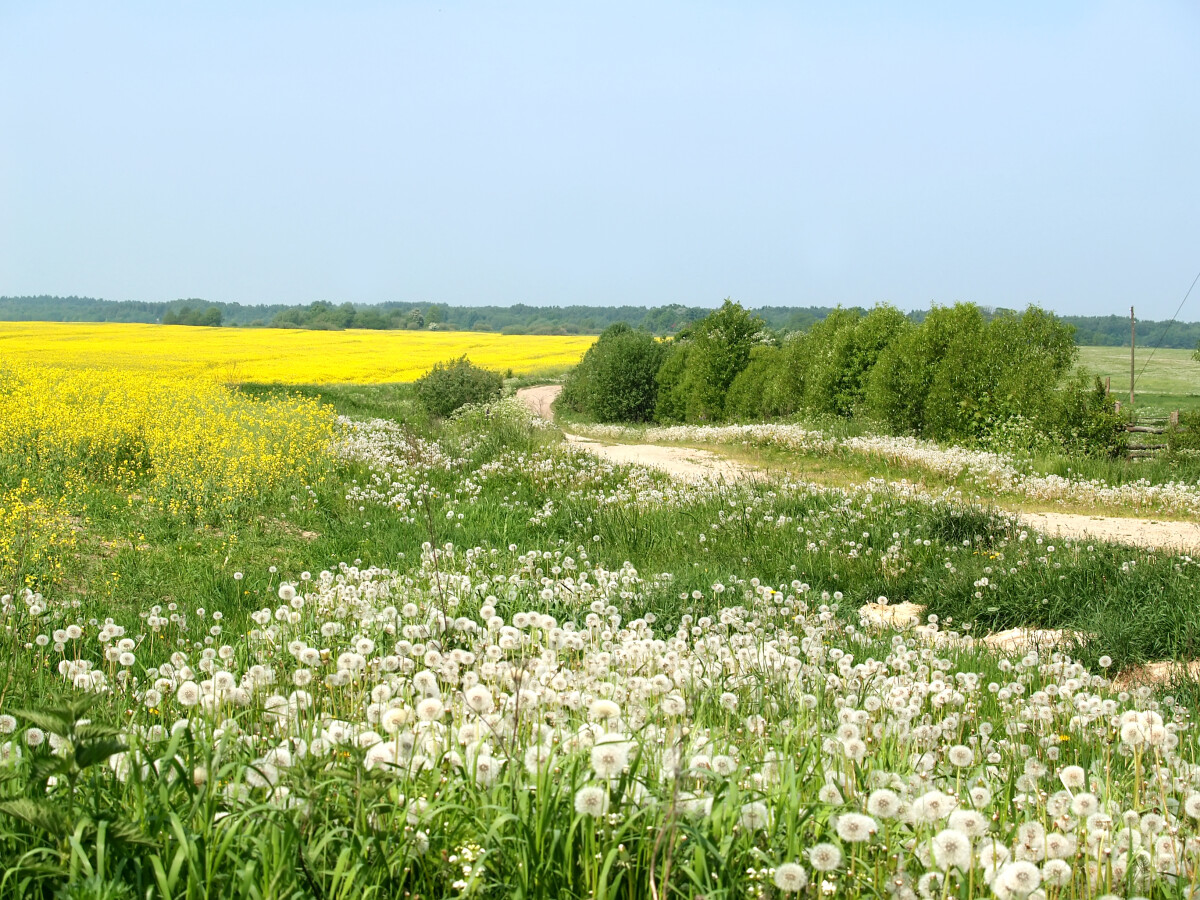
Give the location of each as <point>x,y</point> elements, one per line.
<point>720,350</point>
<point>755,392</point>
<point>672,383</point>
<point>1185,438</point>
<point>616,381</point>
<point>958,376</point>
<point>704,360</point>
<point>1082,417</point>
<point>843,351</point>
<point>451,385</point>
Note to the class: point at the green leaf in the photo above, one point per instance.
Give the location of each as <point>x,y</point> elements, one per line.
<point>77,707</point>
<point>125,832</point>
<point>91,731</point>
<point>39,815</point>
<point>45,766</point>
<point>56,721</point>
<point>89,753</point>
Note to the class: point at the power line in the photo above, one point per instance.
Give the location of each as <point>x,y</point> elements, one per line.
<point>1162,337</point>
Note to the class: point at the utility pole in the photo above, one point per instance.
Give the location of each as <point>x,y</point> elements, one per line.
<point>1132,345</point>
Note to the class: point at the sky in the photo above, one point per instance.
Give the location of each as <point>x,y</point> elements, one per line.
<point>784,154</point>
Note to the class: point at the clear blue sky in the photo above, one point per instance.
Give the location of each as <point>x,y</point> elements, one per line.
<point>567,152</point>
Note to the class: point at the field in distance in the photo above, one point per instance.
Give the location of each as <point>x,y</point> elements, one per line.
<point>279,355</point>
<point>1169,379</point>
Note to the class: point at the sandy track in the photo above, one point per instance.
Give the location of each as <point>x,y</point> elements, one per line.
<point>692,464</point>
<point>541,399</point>
<point>1150,533</point>
<point>684,463</point>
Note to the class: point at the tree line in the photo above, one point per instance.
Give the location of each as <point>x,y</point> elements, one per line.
<point>957,375</point>
<point>1112,331</point>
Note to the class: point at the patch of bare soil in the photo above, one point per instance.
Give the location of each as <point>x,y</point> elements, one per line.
<point>1157,673</point>
<point>541,399</point>
<point>1151,534</point>
<point>901,616</point>
<point>684,463</point>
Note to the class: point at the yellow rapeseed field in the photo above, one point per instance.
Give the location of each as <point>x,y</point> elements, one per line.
<point>188,445</point>
<point>35,535</point>
<point>285,356</point>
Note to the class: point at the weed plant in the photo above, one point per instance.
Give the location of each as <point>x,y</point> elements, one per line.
<point>471,662</point>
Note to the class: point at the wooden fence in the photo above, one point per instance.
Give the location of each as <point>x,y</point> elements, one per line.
<point>1154,427</point>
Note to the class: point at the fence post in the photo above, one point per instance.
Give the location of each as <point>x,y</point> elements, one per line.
<point>1175,417</point>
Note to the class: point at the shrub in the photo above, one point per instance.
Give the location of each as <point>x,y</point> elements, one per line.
<point>720,350</point>
<point>1083,419</point>
<point>842,352</point>
<point>959,376</point>
<point>705,358</point>
<point>616,381</point>
<point>451,385</point>
<point>1185,438</point>
<point>672,383</point>
<point>755,392</point>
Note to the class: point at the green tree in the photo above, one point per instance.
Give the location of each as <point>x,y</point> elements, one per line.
<point>672,383</point>
<point>721,343</point>
<point>832,365</point>
<point>616,381</point>
<point>755,392</point>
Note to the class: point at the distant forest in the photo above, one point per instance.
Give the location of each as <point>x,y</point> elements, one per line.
<point>1105,331</point>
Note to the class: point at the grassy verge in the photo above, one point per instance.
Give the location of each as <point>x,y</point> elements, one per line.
<point>471,662</point>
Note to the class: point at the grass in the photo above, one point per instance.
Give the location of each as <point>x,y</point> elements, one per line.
<point>131,556</point>
<point>1166,379</point>
<point>753,592</point>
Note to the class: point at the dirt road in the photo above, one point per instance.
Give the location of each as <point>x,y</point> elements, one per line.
<point>681,462</point>
<point>1150,533</point>
<point>692,464</point>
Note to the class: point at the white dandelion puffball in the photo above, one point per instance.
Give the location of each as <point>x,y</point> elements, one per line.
<point>883,803</point>
<point>1085,805</point>
<point>609,760</point>
<point>951,850</point>
<point>825,857</point>
<point>980,797</point>
<point>430,709</point>
<point>536,758</point>
<point>754,816</point>
<point>1020,878</point>
<point>790,878</point>
<point>487,769</point>
<point>970,822</point>
<point>1056,873</point>
<point>603,709</point>
<point>854,828</point>
<point>591,801</point>
<point>479,699</point>
<point>929,885</point>
<point>1191,806</point>
<point>1073,777</point>
<point>188,694</point>
<point>960,756</point>
<point>724,765</point>
<point>673,705</point>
